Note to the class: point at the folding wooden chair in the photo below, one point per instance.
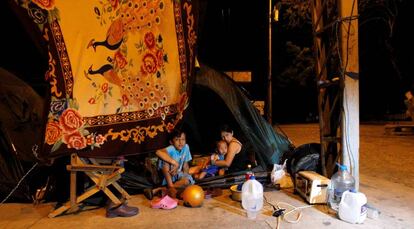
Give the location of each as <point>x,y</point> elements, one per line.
<point>100,173</point>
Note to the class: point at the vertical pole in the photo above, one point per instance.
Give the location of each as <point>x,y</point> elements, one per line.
<point>321,72</point>
<point>269,69</point>
<point>348,11</point>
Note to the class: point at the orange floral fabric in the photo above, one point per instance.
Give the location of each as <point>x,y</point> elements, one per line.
<point>119,73</point>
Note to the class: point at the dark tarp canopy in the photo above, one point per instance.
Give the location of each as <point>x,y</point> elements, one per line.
<point>217,100</point>
<point>21,125</point>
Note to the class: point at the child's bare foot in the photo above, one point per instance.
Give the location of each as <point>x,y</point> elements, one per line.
<point>172,192</point>
<point>221,172</point>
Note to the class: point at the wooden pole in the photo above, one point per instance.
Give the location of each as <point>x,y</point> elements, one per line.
<point>269,76</point>
<point>323,105</point>
<point>348,11</point>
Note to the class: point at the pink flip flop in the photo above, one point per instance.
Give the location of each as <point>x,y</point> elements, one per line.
<point>164,203</point>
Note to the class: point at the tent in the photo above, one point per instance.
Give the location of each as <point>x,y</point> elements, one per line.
<point>21,124</point>
<point>216,98</point>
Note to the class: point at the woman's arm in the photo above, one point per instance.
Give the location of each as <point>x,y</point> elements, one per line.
<point>163,154</point>
<point>233,149</point>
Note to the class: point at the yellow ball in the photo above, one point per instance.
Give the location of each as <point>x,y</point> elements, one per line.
<point>193,196</point>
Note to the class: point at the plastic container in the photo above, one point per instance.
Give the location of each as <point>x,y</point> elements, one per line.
<point>252,197</point>
<point>341,181</point>
<point>352,207</point>
<point>249,172</point>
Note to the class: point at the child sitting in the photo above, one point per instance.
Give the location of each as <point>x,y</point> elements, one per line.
<point>173,163</point>
<point>179,151</point>
<point>212,170</point>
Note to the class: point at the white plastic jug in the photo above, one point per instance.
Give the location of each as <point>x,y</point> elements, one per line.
<point>252,197</point>
<point>352,207</point>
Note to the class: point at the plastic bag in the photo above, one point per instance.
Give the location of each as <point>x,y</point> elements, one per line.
<point>278,173</point>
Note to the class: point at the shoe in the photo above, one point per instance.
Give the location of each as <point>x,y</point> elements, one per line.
<point>164,203</point>
<point>122,211</point>
<point>111,205</point>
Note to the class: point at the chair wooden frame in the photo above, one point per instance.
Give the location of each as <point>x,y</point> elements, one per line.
<point>101,174</point>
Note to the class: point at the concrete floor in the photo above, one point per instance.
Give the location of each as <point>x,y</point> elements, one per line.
<point>387,178</point>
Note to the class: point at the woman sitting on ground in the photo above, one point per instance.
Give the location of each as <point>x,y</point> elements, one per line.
<point>236,157</point>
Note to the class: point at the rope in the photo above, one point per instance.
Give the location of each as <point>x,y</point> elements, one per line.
<point>20,181</point>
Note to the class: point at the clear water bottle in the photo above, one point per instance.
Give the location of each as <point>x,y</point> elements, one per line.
<point>341,181</point>
<point>252,197</point>
<point>249,172</point>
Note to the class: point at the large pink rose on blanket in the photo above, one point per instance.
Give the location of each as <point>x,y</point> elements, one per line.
<point>75,140</point>
<point>53,132</point>
<point>71,120</point>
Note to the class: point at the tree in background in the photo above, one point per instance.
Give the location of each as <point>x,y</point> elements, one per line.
<point>377,17</point>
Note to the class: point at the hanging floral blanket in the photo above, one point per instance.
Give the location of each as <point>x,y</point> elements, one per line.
<point>119,73</point>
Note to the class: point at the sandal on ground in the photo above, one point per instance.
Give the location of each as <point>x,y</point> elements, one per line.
<point>164,203</point>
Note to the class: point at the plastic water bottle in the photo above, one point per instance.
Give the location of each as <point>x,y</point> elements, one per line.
<point>249,172</point>
<point>352,207</point>
<point>341,181</point>
<point>252,197</point>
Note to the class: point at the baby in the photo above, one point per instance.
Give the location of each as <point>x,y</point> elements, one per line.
<point>213,170</point>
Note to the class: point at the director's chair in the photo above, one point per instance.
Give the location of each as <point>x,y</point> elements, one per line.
<point>102,172</point>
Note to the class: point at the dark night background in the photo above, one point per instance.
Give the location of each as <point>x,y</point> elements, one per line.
<point>234,35</point>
